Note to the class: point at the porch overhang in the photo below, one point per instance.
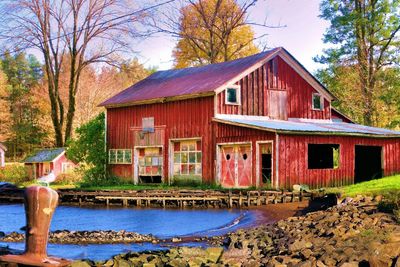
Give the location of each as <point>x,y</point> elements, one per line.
<point>306,127</point>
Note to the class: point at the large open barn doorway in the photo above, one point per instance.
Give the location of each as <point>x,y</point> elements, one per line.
<point>368,163</point>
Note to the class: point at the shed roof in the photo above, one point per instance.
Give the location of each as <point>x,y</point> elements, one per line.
<point>195,81</point>
<point>307,127</point>
<point>45,155</point>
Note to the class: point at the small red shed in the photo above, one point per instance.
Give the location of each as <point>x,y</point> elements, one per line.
<point>262,121</point>
<point>46,161</point>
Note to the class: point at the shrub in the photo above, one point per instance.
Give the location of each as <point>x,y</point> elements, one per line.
<point>14,173</point>
<point>89,150</point>
<point>69,178</point>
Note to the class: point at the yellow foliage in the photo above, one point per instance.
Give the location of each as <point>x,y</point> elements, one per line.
<point>213,31</point>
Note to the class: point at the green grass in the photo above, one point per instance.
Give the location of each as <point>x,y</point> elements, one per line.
<point>375,187</point>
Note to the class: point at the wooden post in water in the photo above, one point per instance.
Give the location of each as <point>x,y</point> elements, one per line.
<point>40,203</point>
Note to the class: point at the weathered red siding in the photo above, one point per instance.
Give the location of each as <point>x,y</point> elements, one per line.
<point>233,134</point>
<point>182,119</point>
<point>293,159</point>
<point>255,88</point>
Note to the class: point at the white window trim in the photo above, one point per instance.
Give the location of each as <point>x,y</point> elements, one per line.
<point>321,99</point>
<point>116,150</point>
<point>188,140</point>
<point>238,95</point>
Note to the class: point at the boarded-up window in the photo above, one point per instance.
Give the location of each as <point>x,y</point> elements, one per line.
<point>148,125</point>
<point>323,156</point>
<point>277,104</point>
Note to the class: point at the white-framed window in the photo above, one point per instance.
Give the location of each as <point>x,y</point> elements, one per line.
<point>120,156</point>
<point>150,161</point>
<point>187,158</point>
<point>66,167</point>
<point>317,102</point>
<point>232,95</point>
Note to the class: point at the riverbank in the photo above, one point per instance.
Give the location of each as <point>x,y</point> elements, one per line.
<point>353,233</point>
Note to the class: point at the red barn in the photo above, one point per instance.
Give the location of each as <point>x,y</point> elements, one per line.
<point>262,121</point>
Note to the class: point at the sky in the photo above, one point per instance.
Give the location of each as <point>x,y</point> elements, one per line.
<point>301,35</point>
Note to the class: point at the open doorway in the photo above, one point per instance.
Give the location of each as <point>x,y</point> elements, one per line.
<point>368,163</point>
<point>265,164</point>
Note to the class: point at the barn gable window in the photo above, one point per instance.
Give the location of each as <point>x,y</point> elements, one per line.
<point>148,125</point>
<point>120,156</point>
<point>317,102</point>
<point>232,95</point>
<point>323,156</point>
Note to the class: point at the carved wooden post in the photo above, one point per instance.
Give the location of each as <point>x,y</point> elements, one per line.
<point>40,203</point>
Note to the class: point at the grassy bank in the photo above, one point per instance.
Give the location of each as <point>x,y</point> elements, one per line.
<point>382,186</point>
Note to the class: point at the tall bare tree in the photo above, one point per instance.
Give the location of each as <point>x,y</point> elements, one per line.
<point>83,31</point>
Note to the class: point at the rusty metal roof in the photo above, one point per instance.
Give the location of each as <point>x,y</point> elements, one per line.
<point>314,127</point>
<point>185,82</point>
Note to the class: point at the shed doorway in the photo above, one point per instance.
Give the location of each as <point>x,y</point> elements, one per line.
<point>236,166</point>
<point>265,164</point>
<point>368,163</point>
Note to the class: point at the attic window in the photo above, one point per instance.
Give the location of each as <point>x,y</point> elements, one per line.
<point>232,95</point>
<point>317,102</point>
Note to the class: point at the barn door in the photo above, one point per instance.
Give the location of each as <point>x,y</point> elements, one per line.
<point>236,166</point>
<point>228,166</point>
<point>277,104</point>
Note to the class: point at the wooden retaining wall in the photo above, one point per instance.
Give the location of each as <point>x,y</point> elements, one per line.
<point>174,198</point>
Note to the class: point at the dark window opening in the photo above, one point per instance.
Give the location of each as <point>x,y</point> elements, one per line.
<point>228,157</point>
<point>317,102</point>
<point>232,96</point>
<point>323,156</point>
<point>368,163</point>
<point>245,156</point>
<point>266,168</point>
<point>149,179</point>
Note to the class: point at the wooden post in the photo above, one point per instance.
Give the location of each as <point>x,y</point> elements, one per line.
<point>240,199</point>
<point>248,199</point>
<point>107,202</point>
<point>125,202</point>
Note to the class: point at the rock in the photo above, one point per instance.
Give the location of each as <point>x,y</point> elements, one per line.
<point>299,245</point>
<point>296,188</point>
<point>177,263</point>
<point>350,264</point>
<point>214,254</point>
<point>122,263</point>
<point>176,240</point>
<point>80,264</point>
<point>306,253</point>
